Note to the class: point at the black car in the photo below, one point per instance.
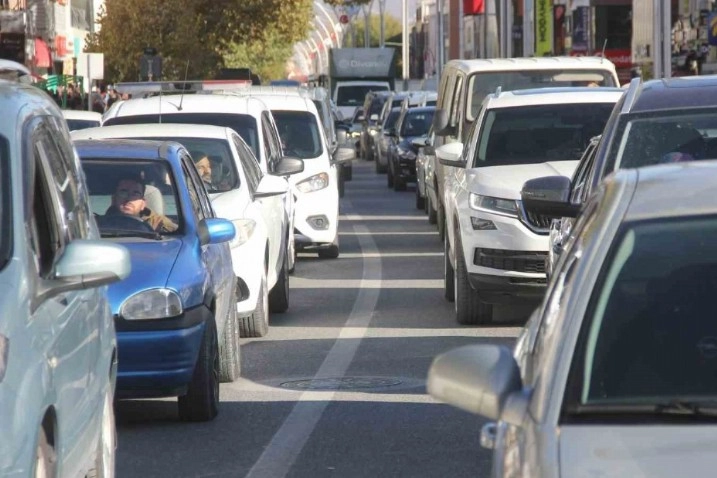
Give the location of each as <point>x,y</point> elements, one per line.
<point>411,124</point>
<point>655,122</point>
<point>369,124</point>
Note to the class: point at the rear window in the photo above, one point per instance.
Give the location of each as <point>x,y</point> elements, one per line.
<point>355,95</point>
<point>417,123</point>
<point>245,125</point>
<point>75,124</point>
<point>482,84</point>
<point>538,134</point>
<point>299,133</point>
<point>391,119</point>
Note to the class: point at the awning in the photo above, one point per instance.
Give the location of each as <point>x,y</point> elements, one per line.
<point>42,54</point>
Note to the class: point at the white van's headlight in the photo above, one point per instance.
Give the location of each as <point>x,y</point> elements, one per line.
<point>314,183</point>
<point>152,304</point>
<point>506,207</point>
<point>244,230</point>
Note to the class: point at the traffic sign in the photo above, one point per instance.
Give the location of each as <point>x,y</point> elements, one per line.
<point>150,67</point>
<point>344,19</point>
<point>150,51</point>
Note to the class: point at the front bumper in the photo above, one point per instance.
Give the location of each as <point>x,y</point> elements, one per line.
<point>248,262</point>
<point>505,263</point>
<point>157,357</point>
<point>316,215</point>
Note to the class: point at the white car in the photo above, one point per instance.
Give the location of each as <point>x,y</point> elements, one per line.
<point>240,192</point>
<point>80,119</point>
<point>316,213</point>
<point>348,95</point>
<point>249,117</point>
<point>494,251</point>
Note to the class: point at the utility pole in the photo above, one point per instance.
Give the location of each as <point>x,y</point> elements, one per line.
<point>382,20</point>
<point>528,28</point>
<point>440,53</point>
<point>404,45</point>
<point>367,24</point>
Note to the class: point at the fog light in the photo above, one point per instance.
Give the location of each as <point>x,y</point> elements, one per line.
<point>320,223</point>
<point>482,224</point>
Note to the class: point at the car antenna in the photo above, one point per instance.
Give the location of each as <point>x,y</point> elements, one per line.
<point>184,87</point>
<point>604,45</point>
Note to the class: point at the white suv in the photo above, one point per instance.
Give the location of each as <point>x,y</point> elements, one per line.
<point>494,251</point>
<point>316,213</point>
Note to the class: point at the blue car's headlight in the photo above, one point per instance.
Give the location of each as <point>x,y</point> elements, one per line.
<point>152,304</point>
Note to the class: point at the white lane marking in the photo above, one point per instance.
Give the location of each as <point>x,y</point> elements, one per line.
<point>397,233</point>
<point>280,454</point>
<point>303,283</point>
<point>357,217</point>
<point>356,255</point>
<point>299,333</point>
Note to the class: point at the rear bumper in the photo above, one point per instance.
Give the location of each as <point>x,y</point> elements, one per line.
<point>157,357</point>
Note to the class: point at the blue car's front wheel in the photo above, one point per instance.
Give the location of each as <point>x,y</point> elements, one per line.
<point>201,403</point>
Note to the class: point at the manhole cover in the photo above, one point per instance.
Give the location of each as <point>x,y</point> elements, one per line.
<point>343,383</point>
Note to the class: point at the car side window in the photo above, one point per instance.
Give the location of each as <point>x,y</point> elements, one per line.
<point>270,136</point>
<point>469,148</point>
<point>455,103</point>
<point>47,235</point>
<point>202,193</point>
<point>578,194</point>
<point>251,169</point>
<point>192,189</point>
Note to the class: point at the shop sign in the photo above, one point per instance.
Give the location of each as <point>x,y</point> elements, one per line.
<point>543,27</point>
<point>712,29</point>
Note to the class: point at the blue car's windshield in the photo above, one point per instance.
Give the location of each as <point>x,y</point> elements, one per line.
<point>132,197</point>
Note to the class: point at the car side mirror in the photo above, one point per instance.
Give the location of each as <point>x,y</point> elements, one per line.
<point>441,126</point>
<point>420,142</point>
<point>344,155</point>
<point>373,117</point>
<point>272,185</point>
<point>479,379</point>
<point>451,154</point>
<point>549,196</point>
<point>360,118</point>
<point>214,230</point>
<point>342,135</point>
<point>91,263</point>
<point>288,166</point>
<point>390,132</point>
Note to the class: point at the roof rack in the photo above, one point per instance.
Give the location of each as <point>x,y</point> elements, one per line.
<point>148,88</point>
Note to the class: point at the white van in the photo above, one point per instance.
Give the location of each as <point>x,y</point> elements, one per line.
<point>348,95</point>
<point>465,84</point>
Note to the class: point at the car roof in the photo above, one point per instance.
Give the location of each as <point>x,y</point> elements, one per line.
<point>82,115</point>
<point>691,187</point>
<point>127,149</point>
<point>535,63</point>
<point>420,109</point>
<point>167,130</point>
<point>671,93</point>
<point>192,103</point>
<point>291,102</point>
<point>549,96</point>
<point>21,101</point>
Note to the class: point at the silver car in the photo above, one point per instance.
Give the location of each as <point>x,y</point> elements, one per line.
<point>58,356</point>
<point>614,375</point>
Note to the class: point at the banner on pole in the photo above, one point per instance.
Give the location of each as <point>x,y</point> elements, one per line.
<point>543,27</point>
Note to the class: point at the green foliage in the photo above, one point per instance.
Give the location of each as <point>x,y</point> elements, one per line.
<point>392,27</point>
<point>206,34</point>
<point>336,3</point>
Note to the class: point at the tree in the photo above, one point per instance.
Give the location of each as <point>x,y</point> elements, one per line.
<point>197,33</point>
<point>392,27</point>
<point>338,3</point>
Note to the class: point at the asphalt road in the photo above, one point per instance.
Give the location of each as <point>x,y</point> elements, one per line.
<point>337,387</point>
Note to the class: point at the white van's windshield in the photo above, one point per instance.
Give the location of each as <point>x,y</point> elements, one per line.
<point>484,83</point>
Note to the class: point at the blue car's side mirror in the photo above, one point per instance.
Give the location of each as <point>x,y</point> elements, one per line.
<point>215,231</point>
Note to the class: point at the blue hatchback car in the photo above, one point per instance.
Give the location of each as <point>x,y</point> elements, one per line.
<point>175,314</point>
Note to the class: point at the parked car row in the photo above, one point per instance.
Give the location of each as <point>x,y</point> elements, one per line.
<point>594,204</point>
<point>190,208</point>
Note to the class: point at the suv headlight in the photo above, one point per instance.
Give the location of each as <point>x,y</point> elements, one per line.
<point>505,207</point>
<point>406,154</point>
<point>152,304</point>
<point>314,183</point>
<point>244,230</point>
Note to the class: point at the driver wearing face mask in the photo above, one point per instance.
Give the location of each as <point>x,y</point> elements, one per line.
<point>128,200</point>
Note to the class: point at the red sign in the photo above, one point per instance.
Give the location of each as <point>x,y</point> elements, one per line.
<point>344,19</point>
<point>473,7</point>
<point>621,57</point>
<point>60,46</point>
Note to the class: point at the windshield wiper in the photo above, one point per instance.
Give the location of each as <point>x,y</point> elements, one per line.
<point>122,233</point>
<point>706,408</point>
<point>697,408</point>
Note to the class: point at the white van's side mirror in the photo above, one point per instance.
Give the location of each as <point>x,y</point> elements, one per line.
<point>451,155</point>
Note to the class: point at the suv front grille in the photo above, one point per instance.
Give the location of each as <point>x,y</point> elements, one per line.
<point>506,260</point>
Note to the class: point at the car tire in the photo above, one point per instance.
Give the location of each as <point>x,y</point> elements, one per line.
<point>279,295</point>
<point>45,457</point>
<point>348,173</point>
<point>107,443</point>
<point>257,324</point>
<point>291,252</point>
<point>470,310</point>
<point>330,252</point>
<point>441,222</point>
<point>432,213</point>
<point>399,184</point>
<point>230,352</point>
<point>389,177</point>
<point>420,201</point>
<point>448,280</point>
<point>201,403</point>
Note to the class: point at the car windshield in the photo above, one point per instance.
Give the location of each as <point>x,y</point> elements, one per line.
<point>484,83</point>
<point>651,337</point>
<point>120,206</point>
<point>357,114</point>
<point>299,132</point>
<point>417,123</point>
<point>220,173</point>
<point>75,124</point>
<point>391,119</point>
<point>661,138</point>
<point>245,125</point>
<point>5,204</point>
<point>355,95</point>
<point>538,134</point>
<point>376,106</point>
